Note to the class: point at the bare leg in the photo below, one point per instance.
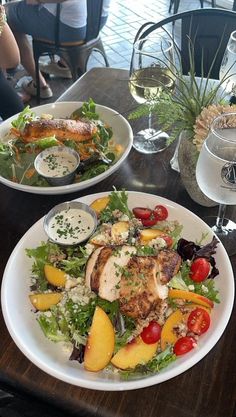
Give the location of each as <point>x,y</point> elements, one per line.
<point>27,58</point>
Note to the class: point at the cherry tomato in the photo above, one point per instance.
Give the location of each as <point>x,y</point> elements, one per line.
<point>151,333</point>
<point>168,239</point>
<point>200,269</point>
<point>142,212</point>
<point>160,212</point>
<point>149,222</point>
<point>198,321</point>
<point>184,345</point>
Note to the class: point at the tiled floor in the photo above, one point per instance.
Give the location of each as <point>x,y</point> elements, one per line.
<point>125,18</point>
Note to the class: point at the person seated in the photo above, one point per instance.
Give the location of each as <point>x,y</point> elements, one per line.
<point>37,18</point>
<point>10,102</point>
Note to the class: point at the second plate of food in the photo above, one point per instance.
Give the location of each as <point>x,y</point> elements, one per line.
<point>101,136</point>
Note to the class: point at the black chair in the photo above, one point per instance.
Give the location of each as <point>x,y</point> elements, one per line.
<point>209,29</point>
<point>176,3</point>
<point>75,54</point>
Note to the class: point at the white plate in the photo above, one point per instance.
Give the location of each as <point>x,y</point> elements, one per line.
<point>122,134</point>
<point>49,356</point>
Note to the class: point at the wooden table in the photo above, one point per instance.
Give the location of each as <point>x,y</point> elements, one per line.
<point>206,390</point>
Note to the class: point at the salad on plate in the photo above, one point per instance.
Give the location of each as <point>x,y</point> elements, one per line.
<point>132,298</point>
<point>82,131</point>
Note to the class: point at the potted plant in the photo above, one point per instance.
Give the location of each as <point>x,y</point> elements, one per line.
<point>186,115</point>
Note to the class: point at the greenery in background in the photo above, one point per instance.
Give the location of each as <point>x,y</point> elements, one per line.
<point>178,111</point>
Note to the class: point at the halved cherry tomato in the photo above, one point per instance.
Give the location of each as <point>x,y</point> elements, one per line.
<point>200,269</point>
<point>168,239</point>
<point>142,212</point>
<point>149,222</point>
<point>184,345</point>
<point>151,333</point>
<point>160,212</point>
<point>198,321</point>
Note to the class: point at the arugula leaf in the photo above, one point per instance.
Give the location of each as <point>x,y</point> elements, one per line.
<point>42,255</point>
<point>178,282</point>
<point>54,326</point>
<point>80,316</point>
<point>118,201</point>
<point>87,110</point>
<point>74,266</point>
<point>25,116</point>
<point>205,288</point>
<point>47,142</point>
<point>93,171</point>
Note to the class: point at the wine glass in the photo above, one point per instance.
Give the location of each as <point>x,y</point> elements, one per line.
<point>151,72</point>
<point>216,175</point>
<point>228,66</point>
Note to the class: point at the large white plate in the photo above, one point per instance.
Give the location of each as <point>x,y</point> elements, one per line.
<point>49,356</point>
<point>122,134</point>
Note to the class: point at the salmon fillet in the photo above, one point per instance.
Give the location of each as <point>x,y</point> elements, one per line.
<point>62,129</point>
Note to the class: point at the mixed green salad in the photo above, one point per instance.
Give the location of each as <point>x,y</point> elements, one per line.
<point>17,155</point>
<point>105,334</point>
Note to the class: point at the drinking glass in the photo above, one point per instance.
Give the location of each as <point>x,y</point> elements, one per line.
<point>151,72</point>
<point>228,66</point>
<point>216,175</point>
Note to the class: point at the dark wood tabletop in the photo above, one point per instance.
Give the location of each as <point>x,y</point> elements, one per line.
<point>206,390</point>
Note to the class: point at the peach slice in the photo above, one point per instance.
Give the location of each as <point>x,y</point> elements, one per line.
<point>168,336</point>
<point>43,301</point>
<point>55,276</point>
<point>100,343</point>
<point>134,353</point>
<point>148,234</point>
<point>99,204</point>
<point>119,231</point>
<point>191,296</point>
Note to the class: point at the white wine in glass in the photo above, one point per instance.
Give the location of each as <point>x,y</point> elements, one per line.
<point>151,72</point>
<point>216,175</point>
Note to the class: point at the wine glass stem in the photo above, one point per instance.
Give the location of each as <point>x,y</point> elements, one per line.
<point>150,119</point>
<point>220,217</point>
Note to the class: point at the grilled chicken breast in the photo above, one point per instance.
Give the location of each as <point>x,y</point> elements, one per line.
<point>139,282</point>
<point>144,283</point>
<point>104,269</point>
<point>169,263</point>
<point>62,129</point>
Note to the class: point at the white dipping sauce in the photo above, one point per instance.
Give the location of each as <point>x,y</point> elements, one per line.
<point>57,164</point>
<point>71,226</point>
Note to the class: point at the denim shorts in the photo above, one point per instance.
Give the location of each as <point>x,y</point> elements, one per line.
<point>39,23</point>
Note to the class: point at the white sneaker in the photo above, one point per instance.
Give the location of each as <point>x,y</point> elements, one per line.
<point>53,68</point>
<point>30,88</point>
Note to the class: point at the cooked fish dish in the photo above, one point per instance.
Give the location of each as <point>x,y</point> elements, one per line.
<point>83,131</point>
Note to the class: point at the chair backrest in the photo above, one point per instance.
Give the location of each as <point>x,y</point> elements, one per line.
<point>94,15</point>
<point>209,29</point>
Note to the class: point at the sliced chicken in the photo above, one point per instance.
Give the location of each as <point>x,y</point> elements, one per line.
<point>169,263</point>
<point>102,258</point>
<point>62,129</point>
<point>91,265</point>
<point>139,287</point>
<point>143,284</point>
<point>104,270</point>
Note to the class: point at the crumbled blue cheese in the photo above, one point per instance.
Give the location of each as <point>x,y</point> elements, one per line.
<point>157,243</point>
